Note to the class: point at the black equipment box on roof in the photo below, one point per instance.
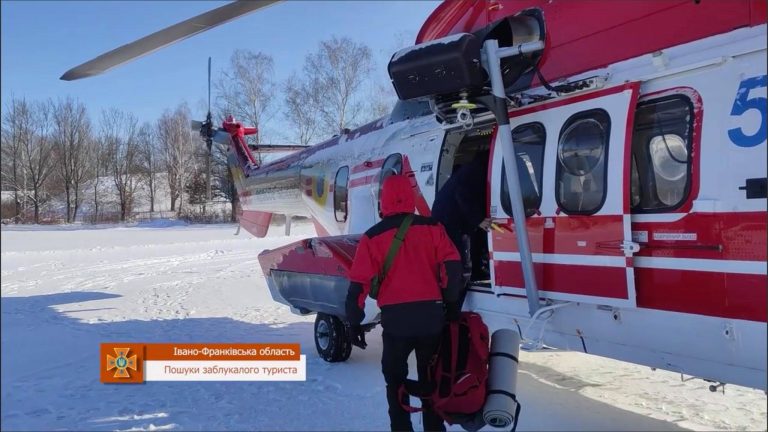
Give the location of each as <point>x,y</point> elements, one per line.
<point>442,66</point>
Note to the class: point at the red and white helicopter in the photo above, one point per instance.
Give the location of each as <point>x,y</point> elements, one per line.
<point>633,216</point>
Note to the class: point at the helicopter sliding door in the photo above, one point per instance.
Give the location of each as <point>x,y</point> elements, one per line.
<point>573,161</point>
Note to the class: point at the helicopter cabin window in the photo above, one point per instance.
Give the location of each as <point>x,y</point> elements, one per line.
<point>393,165</point>
<point>529,142</point>
<point>661,149</point>
<point>582,152</point>
<point>340,189</point>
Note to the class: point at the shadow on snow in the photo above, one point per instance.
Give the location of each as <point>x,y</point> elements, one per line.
<point>50,380</point>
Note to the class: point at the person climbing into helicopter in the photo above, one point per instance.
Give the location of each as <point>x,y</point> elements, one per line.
<point>460,206</point>
<point>409,265</point>
<point>238,132</point>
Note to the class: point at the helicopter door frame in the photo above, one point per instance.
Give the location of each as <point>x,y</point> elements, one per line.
<point>587,256</point>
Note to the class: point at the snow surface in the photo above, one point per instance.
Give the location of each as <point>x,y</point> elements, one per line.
<point>441,41</point>
<point>66,289</point>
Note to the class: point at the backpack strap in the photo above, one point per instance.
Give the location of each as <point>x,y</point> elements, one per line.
<point>517,409</point>
<point>517,416</point>
<point>454,351</point>
<point>453,331</point>
<point>455,326</point>
<point>402,393</point>
<point>393,249</point>
<point>478,343</point>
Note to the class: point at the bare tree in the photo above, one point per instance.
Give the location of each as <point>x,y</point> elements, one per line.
<point>338,70</point>
<point>37,152</point>
<point>197,185</point>
<point>382,96</point>
<point>99,169</point>
<point>302,107</point>
<point>16,129</point>
<point>72,141</point>
<point>8,159</point>
<point>149,156</point>
<point>246,89</point>
<point>381,102</point>
<point>222,181</point>
<point>174,136</point>
<point>119,130</point>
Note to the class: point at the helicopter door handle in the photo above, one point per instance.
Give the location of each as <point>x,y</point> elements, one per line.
<point>755,188</point>
<point>630,246</point>
<point>623,245</point>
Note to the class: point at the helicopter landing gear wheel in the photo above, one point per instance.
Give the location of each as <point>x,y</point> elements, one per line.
<point>331,339</point>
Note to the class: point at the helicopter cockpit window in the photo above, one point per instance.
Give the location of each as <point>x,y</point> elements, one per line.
<point>340,188</point>
<point>661,148</point>
<point>582,154</point>
<point>393,165</point>
<point>529,142</point>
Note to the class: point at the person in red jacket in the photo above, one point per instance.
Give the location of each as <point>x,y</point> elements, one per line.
<point>420,288</point>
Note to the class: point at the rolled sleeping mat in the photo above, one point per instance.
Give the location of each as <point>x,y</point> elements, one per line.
<point>501,407</point>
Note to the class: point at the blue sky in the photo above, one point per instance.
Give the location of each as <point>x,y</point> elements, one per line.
<point>42,39</point>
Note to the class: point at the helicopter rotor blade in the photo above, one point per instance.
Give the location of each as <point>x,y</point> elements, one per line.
<point>209,86</point>
<point>165,37</point>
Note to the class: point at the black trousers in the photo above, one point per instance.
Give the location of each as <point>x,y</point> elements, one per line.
<point>457,238</point>
<point>394,366</point>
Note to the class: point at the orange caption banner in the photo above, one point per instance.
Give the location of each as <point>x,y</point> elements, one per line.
<point>124,362</point>
<point>222,351</point>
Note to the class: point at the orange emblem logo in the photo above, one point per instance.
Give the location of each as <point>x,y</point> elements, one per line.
<point>122,363</point>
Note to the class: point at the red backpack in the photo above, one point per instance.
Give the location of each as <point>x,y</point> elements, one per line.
<point>458,373</point>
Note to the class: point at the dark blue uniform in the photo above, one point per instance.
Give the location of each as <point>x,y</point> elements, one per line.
<point>461,204</point>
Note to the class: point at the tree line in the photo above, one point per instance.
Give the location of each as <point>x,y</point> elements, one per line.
<point>54,151</point>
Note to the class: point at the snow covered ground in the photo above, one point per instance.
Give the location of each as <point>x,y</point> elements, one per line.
<point>66,289</point>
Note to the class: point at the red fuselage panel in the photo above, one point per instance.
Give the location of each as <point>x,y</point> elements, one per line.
<point>590,34</point>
